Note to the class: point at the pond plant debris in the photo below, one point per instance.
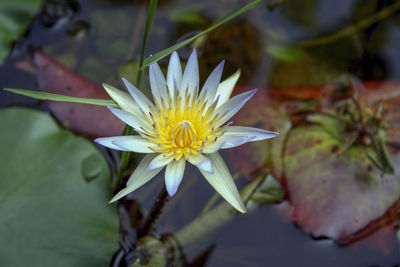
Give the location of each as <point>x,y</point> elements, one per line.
<point>183,124</point>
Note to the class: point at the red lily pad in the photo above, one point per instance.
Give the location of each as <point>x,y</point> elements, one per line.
<point>329,194</point>
<point>89,120</point>
<point>334,195</point>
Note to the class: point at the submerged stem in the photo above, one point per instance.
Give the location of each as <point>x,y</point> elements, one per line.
<point>384,13</point>
<point>213,219</point>
<point>154,213</point>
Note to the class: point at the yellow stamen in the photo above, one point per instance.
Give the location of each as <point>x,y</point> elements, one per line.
<point>184,134</point>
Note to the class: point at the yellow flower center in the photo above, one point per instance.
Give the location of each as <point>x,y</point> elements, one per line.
<point>184,134</point>
<point>182,128</point>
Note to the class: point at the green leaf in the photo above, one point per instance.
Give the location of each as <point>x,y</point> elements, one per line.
<point>285,52</point>
<point>15,17</point>
<point>151,12</point>
<point>63,98</point>
<point>157,56</point>
<point>54,192</point>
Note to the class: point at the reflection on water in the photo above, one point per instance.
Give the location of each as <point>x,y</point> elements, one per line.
<point>101,39</point>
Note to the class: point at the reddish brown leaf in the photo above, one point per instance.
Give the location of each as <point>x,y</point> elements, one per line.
<point>89,120</point>
<point>332,194</point>
<point>342,196</point>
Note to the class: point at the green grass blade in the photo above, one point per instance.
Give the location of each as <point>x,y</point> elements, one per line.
<point>151,12</point>
<point>63,98</point>
<point>156,57</point>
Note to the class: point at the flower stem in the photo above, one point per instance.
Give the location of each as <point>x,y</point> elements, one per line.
<point>125,156</point>
<point>151,11</point>
<point>154,213</point>
<point>384,13</point>
<point>214,218</point>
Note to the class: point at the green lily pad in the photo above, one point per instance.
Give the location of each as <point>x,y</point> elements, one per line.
<point>54,193</point>
<point>15,16</point>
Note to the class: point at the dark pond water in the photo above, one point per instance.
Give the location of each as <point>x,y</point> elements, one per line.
<point>101,36</point>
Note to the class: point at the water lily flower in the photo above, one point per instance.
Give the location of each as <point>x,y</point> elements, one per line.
<point>183,124</point>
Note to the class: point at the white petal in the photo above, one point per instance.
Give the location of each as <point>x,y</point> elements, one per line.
<point>160,161</point>
<point>107,141</point>
<point>211,85</point>
<point>212,148</point>
<point>124,100</point>
<point>135,143</point>
<point>232,106</point>
<point>238,135</point>
<point>139,177</point>
<point>173,175</point>
<point>234,141</point>
<point>258,134</point>
<point>134,121</point>
<point>223,183</point>
<point>158,83</point>
<point>201,162</point>
<point>143,102</point>
<point>190,79</point>
<point>225,88</point>
<point>174,75</point>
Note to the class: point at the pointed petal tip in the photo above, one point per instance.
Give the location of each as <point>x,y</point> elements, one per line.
<point>171,191</point>
<point>175,54</point>
<point>242,209</point>
<point>127,83</point>
<point>114,199</point>
<point>269,134</point>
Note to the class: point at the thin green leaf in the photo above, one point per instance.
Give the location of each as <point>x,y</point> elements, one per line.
<point>63,98</point>
<point>156,57</point>
<point>151,12</point>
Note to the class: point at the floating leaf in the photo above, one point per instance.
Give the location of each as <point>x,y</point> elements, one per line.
<point>333,194</point>
<point>54,193</point>
<point>94,121</point>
